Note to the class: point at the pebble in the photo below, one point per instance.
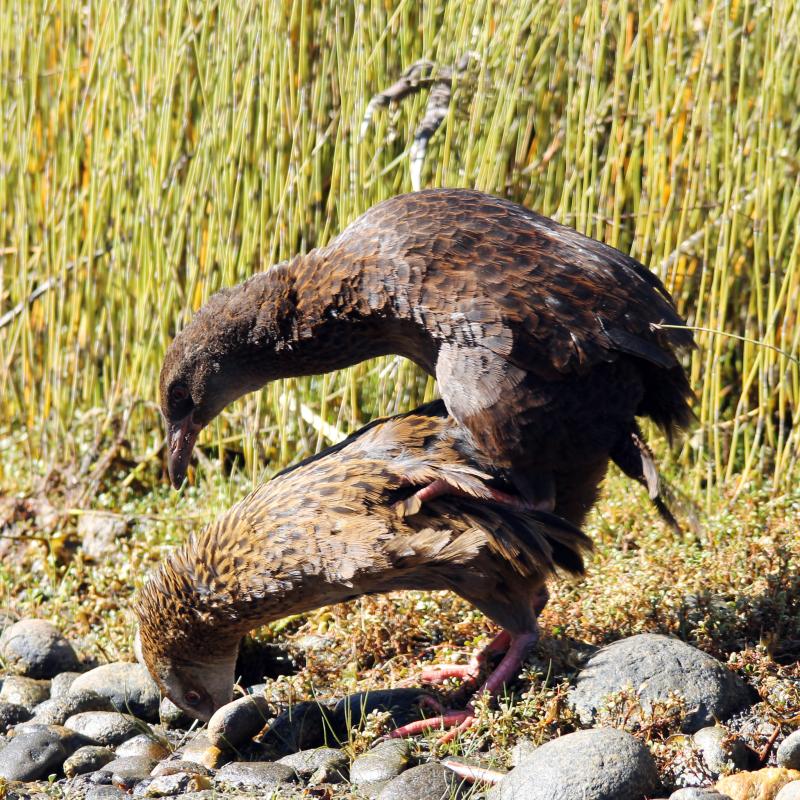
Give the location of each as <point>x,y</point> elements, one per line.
<point>37,751</point>
<point>127,772</point>
<point>11,714</point>
<point>180,765</point>
<point>105,727</point>
<point>791,791</point>
<point>61,683</point>
<point>383,762</point>
<point>721,751</point>
<point>175,783</point>
<point>303,726</point>
<point>694,793</point>
<point>656,667</point>
<point>320,765</point>
<point>105,793</point>
<point>239,721</point>
<point>142,745</point>
<point>763,784</point>
<point>613,766</point>
<point>789,751</point>
<point>255,774</point>
<point>99,533</point>
<point>87,759</point>
<point>25,692</point>
<point>37,649</point>
<point>57,710</point>
<point>173,716</point>
<point>201,751</point>
<point>128,686</point>
<point>429,781</point>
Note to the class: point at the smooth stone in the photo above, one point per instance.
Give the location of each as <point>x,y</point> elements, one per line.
<point>180,765</point>
<point>595,764</point>
<point>99,534</point>
<point>320,765</point>
<point>25,692</point>
<point>721,752</point>
<point>87,759</point>
<point>11,714</point>
<point>57,710</point>
<point>127,772</point>
<point>763,784</point>
<point>104,793</point>
<point>383,762</point>
<point>789,751</point>
<point>105,727</point>
<point>201,751</point>
<point>142,745</point>
<point>60,684</point>
<point>176,783</point>
<point>694,793</point>
<point>38,751</point>
<point>238,721</point>
<point>303,726</point>
<point>37,649</point>
<point>254,774</point>
<point>656,667</point>
<point>521,750</point>
<point>173,716</point>
<point>129,687</point>
<point>350,712</point>
<point>791,791</point>
<point>429,781</point>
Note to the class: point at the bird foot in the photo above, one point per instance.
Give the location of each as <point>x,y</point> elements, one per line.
<point>456,722</point>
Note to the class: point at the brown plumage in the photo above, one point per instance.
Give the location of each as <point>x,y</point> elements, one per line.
<point>332,529</point>
<point>546,344</point>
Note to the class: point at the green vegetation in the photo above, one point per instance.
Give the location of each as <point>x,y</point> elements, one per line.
<point>151,153</point>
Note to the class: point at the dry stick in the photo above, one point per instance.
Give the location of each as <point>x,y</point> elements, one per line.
<point>42,288</point>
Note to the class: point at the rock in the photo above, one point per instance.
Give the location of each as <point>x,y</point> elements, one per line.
<point>238,721</point>
<point>349,713</point>
<point>172,716</point>
<point>127,772</point>
<point>521,750</point>
<point>57,710</point>
<point>721,752</point>
<point>383,762</point>
<point>37,649</point>
<point>180,765</point>
<point>697,794</point>
<point>129,687</point>
<point>61,683</point>
<point>37,752</point>
<point>142,745</point>
<point>789,751</point>
<point>201,751</point>
<point>25,692</point>
<point>655,667</point>
<point>303,726</point>
<point>176,783</point>
<point>595,764</point>
<point>99,534</point>
<point>429,781</point>
<point>320,765</point>
<point>87,759</point>
<point>11,714</point>
<point>105,727</point>
<point>791,791</point>
<point>105,793</point>
<point>254,775</point>
<point>763,784</point>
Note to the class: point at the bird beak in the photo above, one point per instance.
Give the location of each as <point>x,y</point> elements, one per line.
<point>181,436</point>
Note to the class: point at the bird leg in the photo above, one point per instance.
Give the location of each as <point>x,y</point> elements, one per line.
<point>458,721</point>
<point>411,505</point>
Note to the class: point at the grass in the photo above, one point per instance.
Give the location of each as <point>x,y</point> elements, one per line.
<point>150,155</point>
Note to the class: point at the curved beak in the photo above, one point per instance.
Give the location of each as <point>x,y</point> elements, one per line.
<point>181,436</point>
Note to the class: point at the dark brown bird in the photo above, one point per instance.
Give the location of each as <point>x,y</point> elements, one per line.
<point>338,526</point>
<point>546,345</point>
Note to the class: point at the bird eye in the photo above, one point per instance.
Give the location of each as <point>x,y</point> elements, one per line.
<point>192,698</point>
<point>178,393</point>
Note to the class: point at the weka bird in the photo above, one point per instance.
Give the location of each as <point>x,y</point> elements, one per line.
<point>337,526</point>
<point>546,345</point>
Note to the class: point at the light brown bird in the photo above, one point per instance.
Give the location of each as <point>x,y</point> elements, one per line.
<point>546,345</point>
<point>346,523</point>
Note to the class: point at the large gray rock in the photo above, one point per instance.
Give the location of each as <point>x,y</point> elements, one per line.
<point>697,794</point>
<point>87,759</point>
<point>57,710</point>
<point>596,764</point>
<point>37,751</point>
<point>789,751</point>
<point>129,687</point>
<point>238,721</point>
<point>37,649</point>
<point>721,751</point>
<point>655,667</point>
<point>254,775</point>
<point>383,762</point>
<point>25,692</point>
<point>105,727</point>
